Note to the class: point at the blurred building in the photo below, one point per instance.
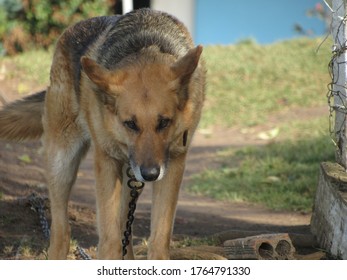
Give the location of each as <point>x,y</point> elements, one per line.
<point>229,21</point>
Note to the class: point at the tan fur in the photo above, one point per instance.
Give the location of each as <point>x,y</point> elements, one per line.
<point>26,114</point>
<point>137,112</point>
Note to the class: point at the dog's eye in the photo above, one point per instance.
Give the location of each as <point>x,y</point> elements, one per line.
<point>131,125</point>
<point>163,123</point>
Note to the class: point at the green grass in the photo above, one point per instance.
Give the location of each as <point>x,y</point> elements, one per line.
<point>247,82</point>
<point>31,67</point>
<point>282,175</point>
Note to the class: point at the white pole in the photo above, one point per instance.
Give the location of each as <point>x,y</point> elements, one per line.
<point>340,79</point>
<point>127,6</point>
<point>184,10</point>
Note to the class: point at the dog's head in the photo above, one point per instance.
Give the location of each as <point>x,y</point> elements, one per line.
<point>146,101</point>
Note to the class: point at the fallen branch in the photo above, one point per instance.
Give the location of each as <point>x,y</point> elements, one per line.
<point>197,253</point>
<point>187,253</point>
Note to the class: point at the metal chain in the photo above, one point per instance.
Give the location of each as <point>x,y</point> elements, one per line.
<point>81,254</point>
<point>37,204</point>
<point>135,187</point>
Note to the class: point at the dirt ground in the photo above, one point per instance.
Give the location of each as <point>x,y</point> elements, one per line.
<point>22,173</point>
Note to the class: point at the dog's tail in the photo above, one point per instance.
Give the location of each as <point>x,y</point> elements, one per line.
<point>22,119</point>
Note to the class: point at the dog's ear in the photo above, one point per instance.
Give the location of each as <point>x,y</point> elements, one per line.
<point>183,70</point>
<point>185,66</point>
<point>106,80</point>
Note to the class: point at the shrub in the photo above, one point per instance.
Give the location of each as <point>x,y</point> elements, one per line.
<point>26,23</point>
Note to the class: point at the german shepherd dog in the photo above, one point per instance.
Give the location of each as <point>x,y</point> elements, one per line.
<point>133,87</point>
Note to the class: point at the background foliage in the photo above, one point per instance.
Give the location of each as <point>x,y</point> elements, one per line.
<point>25,23</point>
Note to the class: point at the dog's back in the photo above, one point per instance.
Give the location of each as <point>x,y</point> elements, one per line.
<point>141,29</point>
<point>112,38</point>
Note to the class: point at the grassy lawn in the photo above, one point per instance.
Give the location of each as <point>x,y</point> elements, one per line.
<point>247,81</point>
<point>282,175</point>
<point>27,69</point>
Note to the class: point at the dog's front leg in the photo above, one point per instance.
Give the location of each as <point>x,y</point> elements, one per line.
<point>108,192</point>
<point>164,201</point>
<point>62,166</point>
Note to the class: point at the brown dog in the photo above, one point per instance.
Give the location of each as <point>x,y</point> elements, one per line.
<point>133,87</point>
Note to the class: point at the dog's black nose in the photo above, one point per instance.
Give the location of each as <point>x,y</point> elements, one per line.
<point>150,173</point>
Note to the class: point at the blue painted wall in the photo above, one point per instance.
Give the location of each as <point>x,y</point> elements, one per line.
<point>266,21</point>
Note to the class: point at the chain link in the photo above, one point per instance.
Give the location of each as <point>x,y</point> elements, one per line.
<point>37,204</point>
<point>81,254</point>
<point>135,187</point>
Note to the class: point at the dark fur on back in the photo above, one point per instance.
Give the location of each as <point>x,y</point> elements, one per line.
<point>141,29</point>
<point>125,35</point>
<point>77,39</point>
